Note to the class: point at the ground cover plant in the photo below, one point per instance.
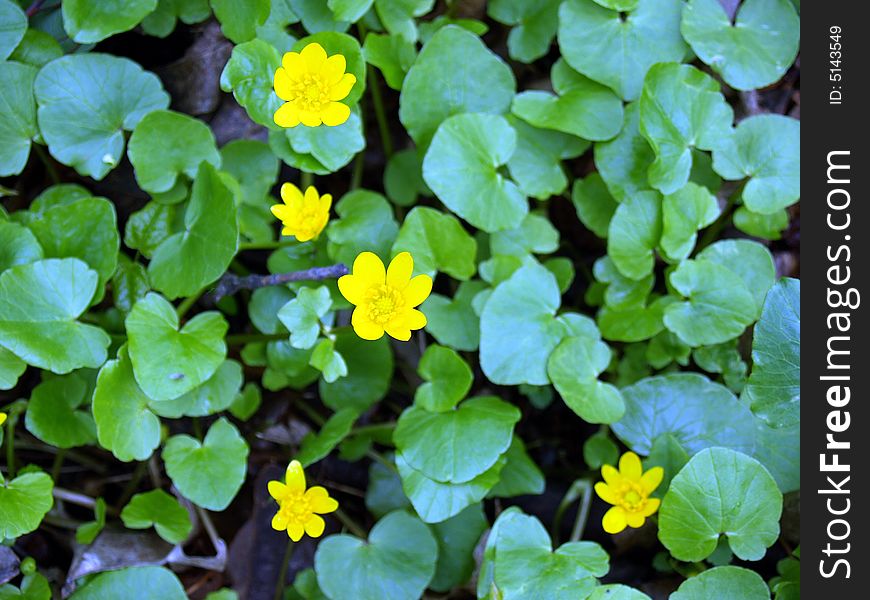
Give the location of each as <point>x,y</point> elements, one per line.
<point>399,299</point>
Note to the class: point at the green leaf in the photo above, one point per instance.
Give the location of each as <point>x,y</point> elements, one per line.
<point>462,168</point>
<point>448,379</point>
<point>384,492</point>
<point>37,48</point>
<point>453,322</point>
<point>18,246</point>
<point>190,259</point>
<point>301,315</point>
<point>684,212</point>
<point>779,451</point>
<point>13,24</point>
<point>125,424</point>
<point>536,164</point>
<point>144,583</point>
<point>754,50</point>
<point>718,305</point>
<point>264,306</point>
<point>397,16</point>
<point>208,473</point>
<point>518,328</point>
<point>534,28</point>
<point>458,445</point>
<point>349,10</point>
<point>720,491</point>
<point>214,395</point>
<point>166,144</point>
<point>86,533</point>
<point>698,413</point>
<point>52,414</point>
<point>369,373</point>
<point>24,501</point>
<point>681,108</point>
<point>328,361</point>
<point>457,538</point>
<point>104,95</point>
<point>616,591</point>
<point>535,235</point>
<point>621,292</point>
<point>764,148</point>
<point>129,283</point>
<point>320,150</point>
<point>722,583</point>
<point>43,331</point>
<point>87,23</point>
<point>392,54</point>
<point>599,449</point>
<point>583,107</point>
<point>396,562</point>
<point>197,349</point>
<point>593,203</point>
<point>316,16</point>
<point>239,20</point>
<point>768,227</point>
<point>454,73</point>
<point>249,75</point>
<point>574,367</point>
<point>598,43</point>
<point>623,161</point>
<point>253,165</point>
<point>162,21</point>
<point>669,454</point>
<point>160,510</point>
<point>635,230</point>
<point>403,177</point>
<point>366,223</point>
<point>246,402</point>
<point>18,118</point>
<point>11,368</point>
<point>149,226</point>
<point>749,260</point>
<point>634,323</point>
<point>438,242</point>
<point>520,475</point>
<point>526,567</point>
<point>773,389</point>
<point>86,229</point>
<point>318,446</point>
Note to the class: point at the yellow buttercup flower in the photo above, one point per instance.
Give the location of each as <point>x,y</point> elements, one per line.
<point>628,490</point>
<point>303,216</point>
<point>385,300</point>
<point>298,508</point>
<point>311,84</point>
<point>2,418</point>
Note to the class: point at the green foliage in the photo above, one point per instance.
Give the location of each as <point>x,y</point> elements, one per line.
<point>161,510</point>
<point>86,22</point>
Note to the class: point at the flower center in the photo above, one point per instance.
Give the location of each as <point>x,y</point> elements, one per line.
<point>633,497</point>
<point>310,92</point>
<point>295,505</point>
<point>384,302</point>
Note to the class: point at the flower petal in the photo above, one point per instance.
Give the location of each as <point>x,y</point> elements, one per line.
<point>277,490</point>
<point>340,90</point>
<point>335,113</point>
<point>314,526</point>
<point>314,56</point>
<point>281,211</point>
<point>634,519</point>
<point>326,203</point>
<point>287,115</point>
<point>291,195</point>
<point>417,290</point>
<point>611,475</point>
<point>614,520</point>
<point>398,329</point>
<point>650,480</point>
<point>364,328</point>
<point>334,67</point>
<point>283,84</point>
<point>400,269</point>
<point>309,119</point>
<point>369,268</point>
<point>630,467</point>
<point>293,63</point>
<point>280,520</point>
<point>652,505</point>
<point>295,477</point>
<point>319,500</point>
<point>353,288</point>
<point>295,530</point>
<point>606,493</point>
<point>414,319</point>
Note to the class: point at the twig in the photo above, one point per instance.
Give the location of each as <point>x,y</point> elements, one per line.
<point>231,283</point>
<point>34,8</point>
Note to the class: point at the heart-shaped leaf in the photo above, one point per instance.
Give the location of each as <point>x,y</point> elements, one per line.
<point>751,52</point>
<point>574,367</point>
<point>462,168</point>
<point>216,394</point>
<point>301,315</point>
<point>392,54</point>
<point>87,22</point>
<point>160,510</point>
<point>52,413</point>
<point>453,322</point>
<point>18,246</point>
<point>146,583</point>
<point>105,95</point>
<point>208,473</point>
<point>520,475</point>
<point>536,164</point>
<point>320,150</point>
<point>397,562</point>
<point>198,255</point>
<point>366,224</point>
<point>43,331</point>
<point>197,350</point>
<point>328,361</point>
<point>239,20</point>
<point>18,119</point>
<point>534,24</point>
<point>720,491</point>
<point>593,203</point>
<point>454,73</point>
<point>438,242</point>
<point>149,227</point>
<point>724,582</point>
<point>684,212</point>
<point>623,161</point>
<point>249,76</point>
<point>162,21</point>
<point>24,501</point>
<point>14,24</point>
<point>749,260</point>
<point>448,379</point>
<point>635,230</point>
<point>457,445</point>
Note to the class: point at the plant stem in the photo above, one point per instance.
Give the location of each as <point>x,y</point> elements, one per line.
<point>240,339</point>
<point>57,464</point>
<point>46,160</point>
<point>267,245</point>
<point>282,575</point>
<point>188,302</point>
<point>380,113</point>
<point>132,485</point>
<point>230,283</point>
<point>10,445</point>
<point>306,180</point>
<point>197,428</point>
<point>377,427</point>
<point>581,487</point>
<point>583,513</point>
<point>356,175</point>
<point>350,524</point>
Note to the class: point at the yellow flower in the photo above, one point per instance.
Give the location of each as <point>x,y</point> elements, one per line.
<point>628,490</point>
<point>311,85</point>
<point>2,418</point>
<point>298,508</point>
<point>302,216</point>
<point>385,300</point>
